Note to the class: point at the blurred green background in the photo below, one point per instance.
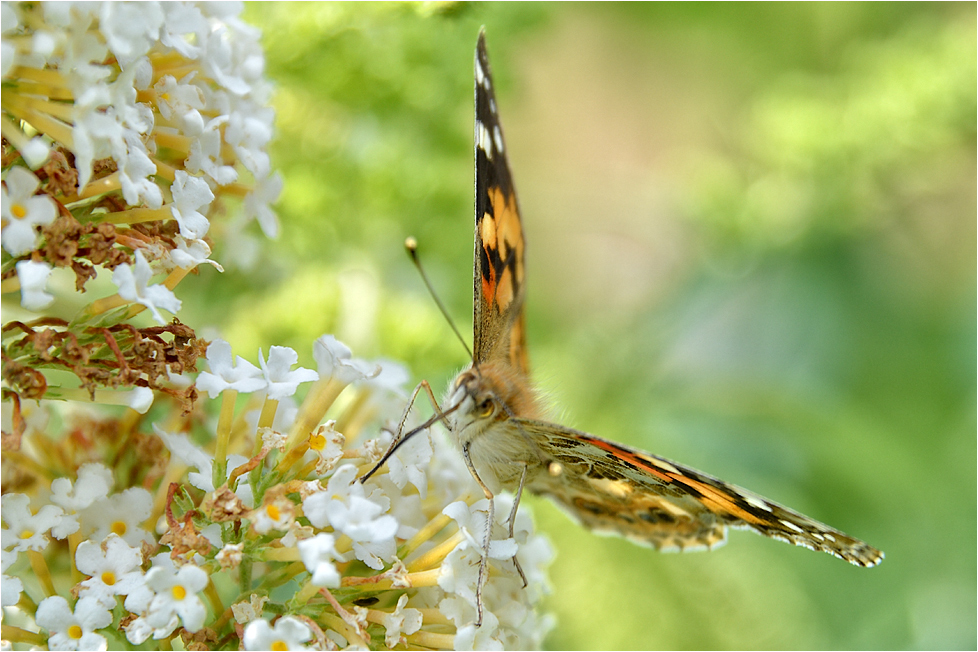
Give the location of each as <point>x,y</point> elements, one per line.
<point>752,249</point>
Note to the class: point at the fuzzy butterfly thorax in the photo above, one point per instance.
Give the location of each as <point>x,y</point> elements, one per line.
<point>489,397</point>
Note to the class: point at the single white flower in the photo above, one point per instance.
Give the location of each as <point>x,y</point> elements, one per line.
<point>318,555</point>
<point>336,360</point>
<point>112,567</point>
<point>133,283</point>
<point>25,530</point>
<point>23,211</point>
<point>176,594</point>
<point>280,379</point>
<point>190,195</point>
<point>288,633</point>
<point>231,555</point>
<point>135,116</point>
<point>226,373</point>
<point>327,444</point>
<point>135,168</point>
<point>258,202</point>
<point>139,629</point>
<point>10,587</point>
<point>226,58</point>
<point>205,154</point>
<point>191,253</point>
<point>245,612</point>
<point>403,620</point>
<point>409,463</point>
<point>73,630</point>
<point>122,514</point>
<point>33,284</point>
<point>249,130</point>
<point>276,515</point>
<point>94,483</point>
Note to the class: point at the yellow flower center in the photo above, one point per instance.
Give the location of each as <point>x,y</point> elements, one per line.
<point>75,632</point>
<point>279,645</point>
<point>27,534</point>
<point>179,593</point>
<point>108,578</point>
<point>317,442</point>
<point>119,527</point>
<point>273,512</point>
<point>18,211</point>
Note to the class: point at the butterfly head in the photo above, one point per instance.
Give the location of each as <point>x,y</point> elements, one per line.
<point>488,394</point>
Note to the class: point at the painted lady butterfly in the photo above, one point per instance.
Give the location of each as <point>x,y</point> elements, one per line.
<point>492,409</point>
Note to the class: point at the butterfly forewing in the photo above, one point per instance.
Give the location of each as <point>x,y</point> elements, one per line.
<point>499,331</point>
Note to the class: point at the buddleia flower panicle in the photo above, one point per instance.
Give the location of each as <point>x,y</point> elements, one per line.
<point>164,491</point>
<point>135,139</point>
<point>317,559</point>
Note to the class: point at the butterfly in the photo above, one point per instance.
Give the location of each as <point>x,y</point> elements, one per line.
<point>494,414</point>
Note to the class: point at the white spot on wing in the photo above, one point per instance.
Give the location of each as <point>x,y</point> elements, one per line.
<point>662,464</point>
<point>758,503</point>
<point>479,74</point>
<point>498,137</point>
<point>483,140</point>
<point>791,526</point>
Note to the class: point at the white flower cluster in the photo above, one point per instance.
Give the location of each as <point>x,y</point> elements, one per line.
<point>390,562</point>
<point>163,103</point>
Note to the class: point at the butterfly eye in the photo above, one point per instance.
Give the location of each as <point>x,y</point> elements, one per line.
<point>485,408</point>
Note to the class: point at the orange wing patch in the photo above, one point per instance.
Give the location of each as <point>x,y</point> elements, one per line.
<point>502,242</point>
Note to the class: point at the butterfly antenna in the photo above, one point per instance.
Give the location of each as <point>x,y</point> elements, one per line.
<point>412,248</point>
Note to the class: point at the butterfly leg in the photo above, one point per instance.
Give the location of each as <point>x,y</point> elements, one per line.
<point>484,562</point>
<point>512,520</point>
<point>407,410</point>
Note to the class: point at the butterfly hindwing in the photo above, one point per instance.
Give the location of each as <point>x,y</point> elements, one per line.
<point>649,499</point>
<point>499,331</point>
